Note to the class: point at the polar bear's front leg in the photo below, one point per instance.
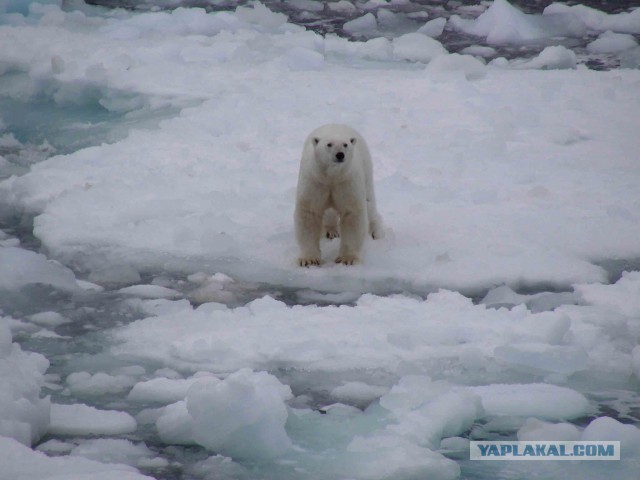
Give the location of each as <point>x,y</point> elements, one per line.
<point>308,224</point>
<point>353,228</point>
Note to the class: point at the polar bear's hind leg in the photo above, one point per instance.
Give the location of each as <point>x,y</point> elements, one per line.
<point>354,228</point>
<point>330,224</point>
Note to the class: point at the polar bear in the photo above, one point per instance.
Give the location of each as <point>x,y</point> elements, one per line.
<point>335,195</point>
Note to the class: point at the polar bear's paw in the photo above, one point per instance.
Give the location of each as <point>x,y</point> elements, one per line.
<point>331,233</point>
<point>376,230</point>
<point>348,259</point>
<point>309,262</point>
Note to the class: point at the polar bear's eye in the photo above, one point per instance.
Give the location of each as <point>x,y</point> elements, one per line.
<point>345,145</point>
<point>329,145</point>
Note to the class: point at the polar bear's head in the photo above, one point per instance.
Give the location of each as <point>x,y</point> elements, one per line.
<point>334,149</point>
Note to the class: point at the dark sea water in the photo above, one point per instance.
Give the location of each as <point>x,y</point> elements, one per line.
<point>528,6</point>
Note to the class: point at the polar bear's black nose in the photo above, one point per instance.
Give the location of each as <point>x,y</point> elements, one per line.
<point>339,156</point>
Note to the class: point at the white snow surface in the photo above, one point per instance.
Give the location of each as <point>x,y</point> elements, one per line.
<point>500,177</point>
<point>83,420</point>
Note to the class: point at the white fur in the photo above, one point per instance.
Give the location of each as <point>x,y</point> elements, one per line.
<point>335,191</point>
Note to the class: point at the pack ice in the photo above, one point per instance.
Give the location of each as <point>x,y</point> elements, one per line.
<point>495,307</point>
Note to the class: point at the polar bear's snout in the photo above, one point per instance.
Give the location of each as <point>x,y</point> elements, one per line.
<point>340,157</point>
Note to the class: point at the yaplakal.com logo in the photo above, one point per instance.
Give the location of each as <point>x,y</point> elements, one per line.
<point>540,450</point>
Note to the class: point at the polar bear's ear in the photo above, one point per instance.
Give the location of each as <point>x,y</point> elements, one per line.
<point>316,140</point>
<point>353,141</point>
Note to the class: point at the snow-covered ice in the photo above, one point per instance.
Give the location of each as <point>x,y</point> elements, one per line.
<point>610,42</point>
<point>624,22</point>
<point>539,400</point>
<point>178,338</point>
<point>150,291</point>
<point>21,463</point>
<point>242,416</point>
<point>433,28</point>
<point>80,419</point>
<point>503,23</point>
<point>118,451</point>
<point>424,344</point>
<point>494,150</point>
<point>52,319</point>
<point>165,390</point>
<point>24,415</point>
<point>535,429</point>
<point>19,267</point>
<point>401,335</point>
<point>83,383</point>
<point>361,25</point>
<point>417,47</point>
<point>552,58</point>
